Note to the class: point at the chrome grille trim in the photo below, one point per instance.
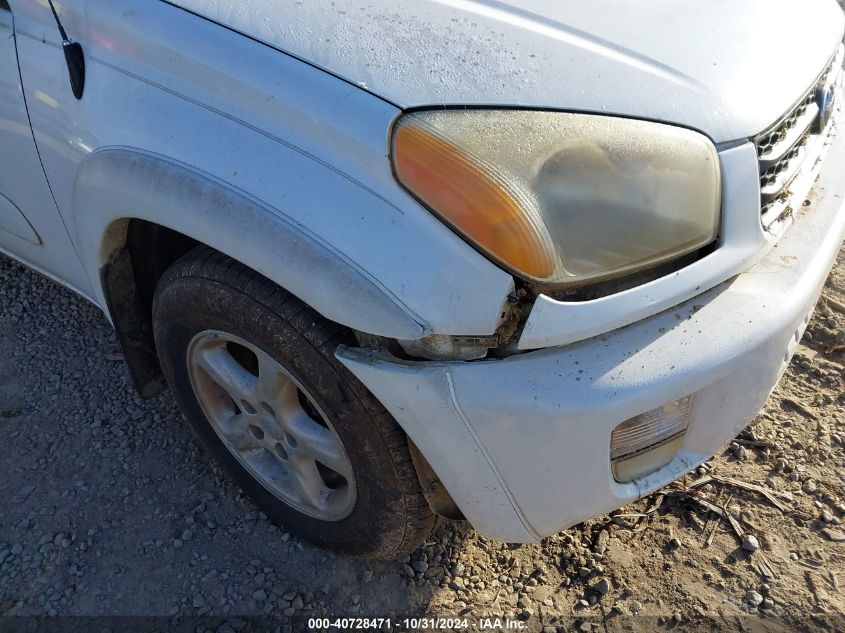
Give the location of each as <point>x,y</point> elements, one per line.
<point>792,149</point>
<point>788,137</point>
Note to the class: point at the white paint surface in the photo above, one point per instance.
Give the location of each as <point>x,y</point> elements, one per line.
<point>723,67</point>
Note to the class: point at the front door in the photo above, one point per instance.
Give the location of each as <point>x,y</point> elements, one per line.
<point>31,228</point>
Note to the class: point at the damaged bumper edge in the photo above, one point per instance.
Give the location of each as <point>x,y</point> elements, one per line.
<point>522,443</point>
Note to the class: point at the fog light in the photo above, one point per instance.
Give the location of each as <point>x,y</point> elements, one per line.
<point>649,441</point>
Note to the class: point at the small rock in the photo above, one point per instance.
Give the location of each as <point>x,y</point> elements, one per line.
<point>768,603</point>
<point>259,596</point>
<point>837,536</point>
<point>420,566</point>
<point>754,598</point>
<point>750,543</point>
<point>601,542</point>
<point>826,516</point>
<point>602,586</point>
<point>23,494</point>
<point>809,487</point>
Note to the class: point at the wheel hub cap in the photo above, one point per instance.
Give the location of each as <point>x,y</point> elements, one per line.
<point>271,425</point>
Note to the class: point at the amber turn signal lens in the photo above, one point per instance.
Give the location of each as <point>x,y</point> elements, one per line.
<point>472,198</point>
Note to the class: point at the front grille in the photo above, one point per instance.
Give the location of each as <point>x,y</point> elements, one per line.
<point>790,152</point>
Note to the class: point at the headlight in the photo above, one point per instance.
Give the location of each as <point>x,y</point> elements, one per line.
<point>563,198</point>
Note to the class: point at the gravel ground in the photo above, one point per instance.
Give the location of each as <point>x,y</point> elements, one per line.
<point>110,508</point>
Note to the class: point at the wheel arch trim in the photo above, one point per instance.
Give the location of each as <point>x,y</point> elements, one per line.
<point>115,184</point>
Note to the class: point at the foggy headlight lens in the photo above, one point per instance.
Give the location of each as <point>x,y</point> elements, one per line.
<point>563,198</point>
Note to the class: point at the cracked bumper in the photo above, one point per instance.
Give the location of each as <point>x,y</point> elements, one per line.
<point>522,444</point>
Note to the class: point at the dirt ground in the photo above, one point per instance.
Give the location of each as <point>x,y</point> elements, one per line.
<point>110,508</point>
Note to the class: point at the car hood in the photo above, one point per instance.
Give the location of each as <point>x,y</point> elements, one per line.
<point>726,68</point>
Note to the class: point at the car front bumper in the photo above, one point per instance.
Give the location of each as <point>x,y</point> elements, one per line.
<point>522,444</point>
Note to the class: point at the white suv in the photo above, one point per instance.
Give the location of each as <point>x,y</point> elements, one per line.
<point>515,261</point>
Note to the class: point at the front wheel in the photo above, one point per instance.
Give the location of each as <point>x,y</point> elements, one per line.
<point>254,372</point>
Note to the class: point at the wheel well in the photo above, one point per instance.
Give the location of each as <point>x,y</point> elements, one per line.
<point>130,275</point>
<point>137,254</point>
<point>152,249</point>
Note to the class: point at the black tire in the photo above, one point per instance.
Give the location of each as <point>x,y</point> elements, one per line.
<point>207,290</point>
